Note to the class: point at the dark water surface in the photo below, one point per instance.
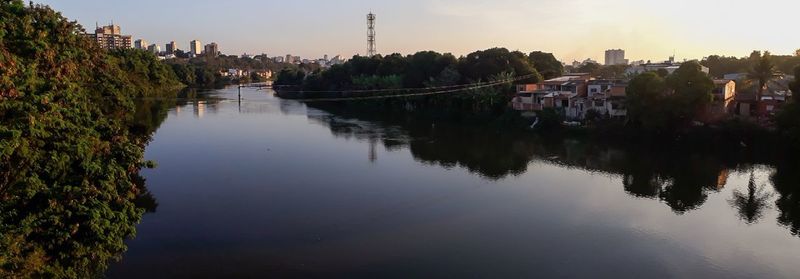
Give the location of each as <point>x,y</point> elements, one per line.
<point>273,189</point>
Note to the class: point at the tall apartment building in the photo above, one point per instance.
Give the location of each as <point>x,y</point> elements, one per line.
<point>195,47</point>
<point>154,48</point>
<point>172,47</point>
<point>616,57</point>
<point>140,44</point>
<point>212,50</point>
<point>110,37</point>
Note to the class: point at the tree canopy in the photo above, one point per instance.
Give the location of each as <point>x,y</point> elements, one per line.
<point>69,160</point>
<point>664,105</point>
<point>547,64</point>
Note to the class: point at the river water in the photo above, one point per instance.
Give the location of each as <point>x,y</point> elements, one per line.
<point>268,188</point>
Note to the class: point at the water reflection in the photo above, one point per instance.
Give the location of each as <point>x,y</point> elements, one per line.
<point>751,205</point>
<point>680,179</point>
<point>786,180</point>
<point>320,194</point>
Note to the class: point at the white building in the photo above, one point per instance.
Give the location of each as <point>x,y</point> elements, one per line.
<point>195,47</point>
<point>155,49</point>
<point>141,44</point>
<point>615,57</point>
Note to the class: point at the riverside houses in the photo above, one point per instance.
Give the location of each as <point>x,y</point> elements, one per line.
<point>573,95</point>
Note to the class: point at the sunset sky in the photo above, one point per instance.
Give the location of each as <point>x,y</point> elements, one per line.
<point>571,29</point>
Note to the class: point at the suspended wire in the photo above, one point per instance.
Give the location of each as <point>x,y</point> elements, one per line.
<point>473,86</point>
<point>396,89</point>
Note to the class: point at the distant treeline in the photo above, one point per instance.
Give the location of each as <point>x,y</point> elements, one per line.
<point>424,69</point>
<point>719,65</point>
<point>205,72</point>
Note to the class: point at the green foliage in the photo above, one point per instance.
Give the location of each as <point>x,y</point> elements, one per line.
<point>142,69</point>
<point>378,82</point>
<point>427,67</point>
<point>590,68</point>
<point>645,101</point>
<point>721,65</point>
<point>68,159</point>
<point>546,64</point>
<point>762,71</point>
<point>418,70</point>
<point>692,91</point>
<point>482,65</point>
<point>667,105</point>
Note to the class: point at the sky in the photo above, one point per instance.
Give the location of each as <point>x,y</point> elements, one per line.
<point>570,29</point>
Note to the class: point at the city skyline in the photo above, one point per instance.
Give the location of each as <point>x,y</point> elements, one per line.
<point>572,30</point>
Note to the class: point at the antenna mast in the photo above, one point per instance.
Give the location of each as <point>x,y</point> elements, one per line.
<point>371,49</point>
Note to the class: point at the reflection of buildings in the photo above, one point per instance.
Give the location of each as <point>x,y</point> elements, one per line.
<point>199,109</point>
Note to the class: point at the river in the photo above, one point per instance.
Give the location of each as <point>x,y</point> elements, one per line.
<point>269,188</point>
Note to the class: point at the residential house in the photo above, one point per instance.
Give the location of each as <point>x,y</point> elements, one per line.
<point>606,97</point>
<point>562,93</point>
<point>775,95</point>
<point>724,102</point>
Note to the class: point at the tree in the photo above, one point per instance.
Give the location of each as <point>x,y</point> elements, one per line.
<point>751,206</point>
<point>645,98</point>
<point>547,64</point>
<point>797,52</point>
<point>589,68</point>
<point>426,65</point>
<point>483,65</point>
<point>762,72</point>
<point>692,90</point>
<point>719,66</point>
<point>70,154</point>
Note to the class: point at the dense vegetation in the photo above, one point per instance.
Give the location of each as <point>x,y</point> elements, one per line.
<point>667,104</point>
<point>69,150</point>
<point>204,72</point>
<point>427,69</point>
<point>721,65</point>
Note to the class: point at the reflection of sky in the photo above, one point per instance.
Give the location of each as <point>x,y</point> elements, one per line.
<point>270,191</point>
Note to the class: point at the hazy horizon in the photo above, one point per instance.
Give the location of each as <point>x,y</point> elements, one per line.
<point>571,30</point>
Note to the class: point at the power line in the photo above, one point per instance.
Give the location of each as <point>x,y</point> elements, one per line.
<point>437,92</point>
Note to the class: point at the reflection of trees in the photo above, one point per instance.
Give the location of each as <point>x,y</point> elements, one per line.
<point>491,154</point>
<point>683,179</point>
<point>786,180</point>
<point>751,205</point>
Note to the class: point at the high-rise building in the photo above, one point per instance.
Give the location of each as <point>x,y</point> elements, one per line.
<point>615,57</point>
<point>154,48</point>
<point>289,59</point>
<point>141,44</point>
<point>172,47</point>
<point>110,37</point>
<point>212,50</point>
<point>195,47</point>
